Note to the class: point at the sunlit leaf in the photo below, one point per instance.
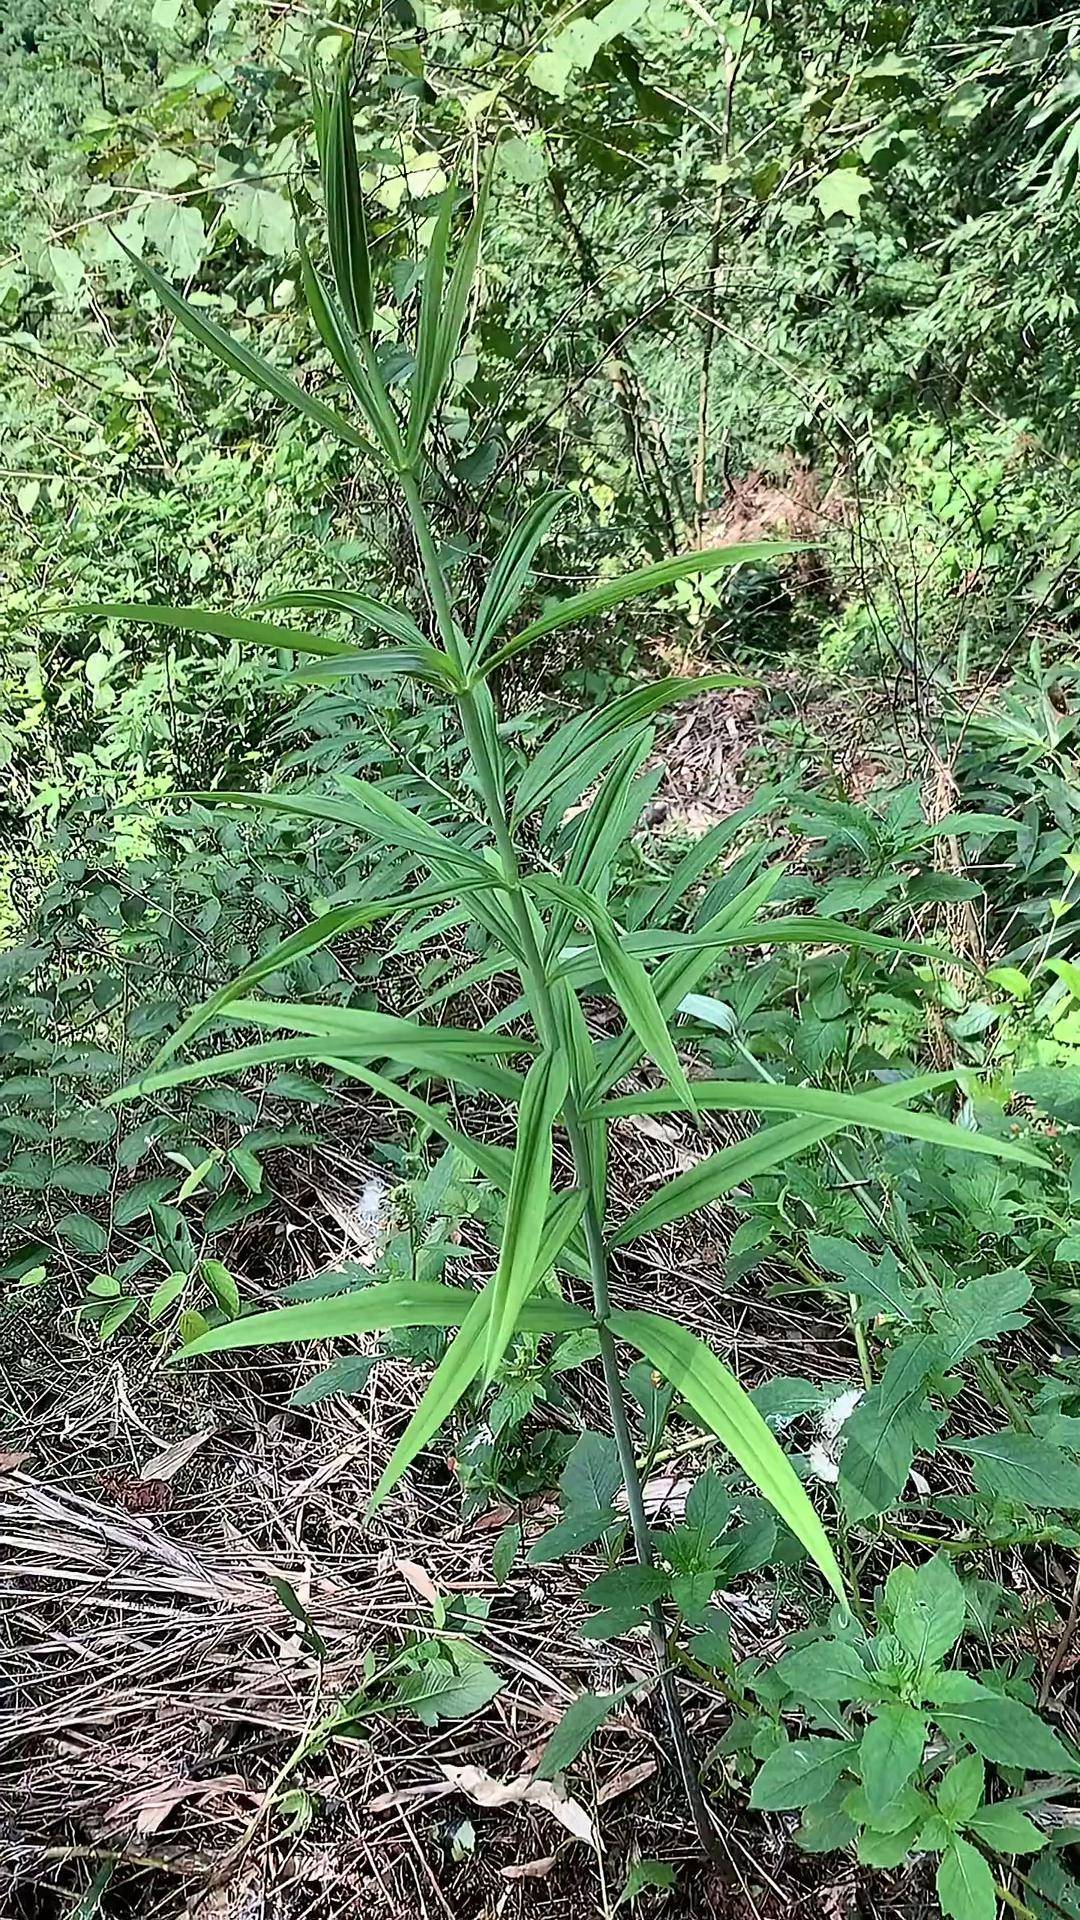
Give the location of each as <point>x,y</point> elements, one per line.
<point>718,1399</point>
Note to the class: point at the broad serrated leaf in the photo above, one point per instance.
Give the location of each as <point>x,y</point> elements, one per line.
<point>1001,1729</point>
<point>926,1605</point>
<point>959,1792</point>
<point>439,1691</point>
<point>1005,1828</point>
<point>1022,1468</point>
<point>800,1773</point>
<point>576,1728</point>
<point>890,1751</point>
<point>827,1670</point>
<point>964,1883</point>
<point>580,1527</point>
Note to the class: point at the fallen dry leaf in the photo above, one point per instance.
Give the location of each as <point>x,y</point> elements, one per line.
<point>530,1869</point>
<point>652,1129</point>
<point>421,1582</point>
<point>625,1782</point>
<point>480,1787</point>
<point>667,1493</point>
<point>164,1465</point>
<point>153,1805</point>
<point>11,1462</point>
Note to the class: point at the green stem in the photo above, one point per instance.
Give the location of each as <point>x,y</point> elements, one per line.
<point>537,991</point>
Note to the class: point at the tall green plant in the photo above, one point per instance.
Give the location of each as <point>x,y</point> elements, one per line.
<point>549,923</point>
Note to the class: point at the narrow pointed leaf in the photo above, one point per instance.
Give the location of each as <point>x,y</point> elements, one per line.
<point>251,366</point>
<point>356,363</point>
<point>401,1303</point>
<point>357,1027</point>
<point>374,613</point>
<point>679,974</point>
<point>717,1398</point>
<point>443,306</point>
<point>744,1160</point>
<point>317,934</point>
<point>850,1109</point>
<point>494,1162</point>
<point>627,979</point>
<point>345,221</point>
<point>527,1206</point>
<point>630,586</point>
<point>567,754</point>
<point>423,387</point>
<point>508,577</point>
<point>424,664</point>
<point>222,626</point>
<point>458,1370</point>
<point>485,1075</point>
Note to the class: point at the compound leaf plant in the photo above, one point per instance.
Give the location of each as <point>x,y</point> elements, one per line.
<point>546,920</point>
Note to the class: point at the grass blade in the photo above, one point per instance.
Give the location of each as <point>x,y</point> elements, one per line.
<point>717,1398</point>
<point>374,613</point>
<point>222,626</point>
<point>319,1050</point>
<point>458,1370</point>
<point>627,979</point>
<point>318,933</point>
<point>568,755</point>
<point>401,1303</point>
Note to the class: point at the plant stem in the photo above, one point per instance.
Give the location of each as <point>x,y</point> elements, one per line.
<point>537,990</point>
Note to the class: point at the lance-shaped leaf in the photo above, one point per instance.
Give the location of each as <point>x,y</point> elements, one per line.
<point>494,1162</point>
<point>373,613</point>
<point>401,1303</point>
<point>678,975</point>
<point>317,934</point>
<point>251,366</point>
<point>718,1399</point>
<point>222,626</point>
<point>328,1050</point>
<point>850,1109</point>
<point>382,818</point>
<point>424,664</point>
<point>798,931</point>
<point>568,756</point>
<point>627,979</point>
<point>443,306</point>
<point>459,1369</point>
<point>356,362</point>
<point>379,1309</point>
<point>744,1160</point>
<point>357,1027</point>
<point>630,586</point>
<point>506,582</point>
<point>527,1205</point>
<point>345,222</point>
